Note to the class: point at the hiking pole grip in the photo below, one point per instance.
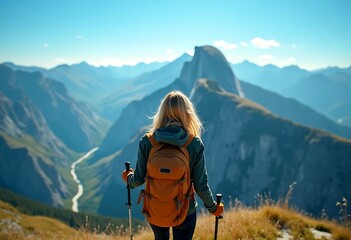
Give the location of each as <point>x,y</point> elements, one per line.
<point>127,166</point>
<point>219,198</point>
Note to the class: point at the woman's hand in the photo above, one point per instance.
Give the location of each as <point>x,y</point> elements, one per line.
<point>126,173</point>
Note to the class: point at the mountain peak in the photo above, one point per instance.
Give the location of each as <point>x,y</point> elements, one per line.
<point>208,62</point>
<point>83,64</point>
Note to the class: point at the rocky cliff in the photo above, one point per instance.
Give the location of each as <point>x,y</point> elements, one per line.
<point>251,151</point>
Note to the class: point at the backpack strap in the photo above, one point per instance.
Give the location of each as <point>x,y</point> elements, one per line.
<point>152,138</point>
<point>190,139</point>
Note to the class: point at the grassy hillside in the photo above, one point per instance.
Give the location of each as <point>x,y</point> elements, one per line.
<point>269,221</point>
<point>70,219</point>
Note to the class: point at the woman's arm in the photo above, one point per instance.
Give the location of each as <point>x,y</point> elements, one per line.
<point>138,177</point>
<point>200,179</point>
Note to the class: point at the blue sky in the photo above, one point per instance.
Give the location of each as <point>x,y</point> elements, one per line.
<point>309,33</point>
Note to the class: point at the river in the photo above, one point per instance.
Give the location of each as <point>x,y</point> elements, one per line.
<point>75,178</point>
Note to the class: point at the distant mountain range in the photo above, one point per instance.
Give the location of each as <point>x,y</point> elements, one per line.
<point>328,94</point>
<point>90,83</point>
<point>326,90</point>
<point>269,76</point>
<point>138,87</point>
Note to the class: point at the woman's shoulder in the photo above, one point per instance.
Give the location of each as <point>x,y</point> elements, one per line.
<point>196,144</point>
<point>144,141</point>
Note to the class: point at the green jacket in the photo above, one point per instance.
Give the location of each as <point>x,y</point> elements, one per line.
<point>177,136</point>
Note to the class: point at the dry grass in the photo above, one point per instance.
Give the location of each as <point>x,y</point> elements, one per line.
<point>265,222</point>
<point>236,224</point>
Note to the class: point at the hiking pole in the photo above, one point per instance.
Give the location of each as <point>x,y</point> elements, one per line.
<point>219,197</point>
<point>129,203</point>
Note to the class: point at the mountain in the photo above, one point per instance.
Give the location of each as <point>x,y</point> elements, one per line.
<point>269,77</point>
<point>32,170</point>
<point>246,70</point>
<point>86,82</point>
<point>293,110</point>
<point>257,152</point>
<point>73,122</point>
<point>327,94</point>
<point>42,129</point>
<point>333,70</point>
<point>89,83</point>
<point>140,68</point>
<point>34,161</point>
<point>207,62</point>
<point>138,87</point>
<point>20,117</point>
<point>23,68</point>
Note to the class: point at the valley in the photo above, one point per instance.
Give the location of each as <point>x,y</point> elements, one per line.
<point>75,178</point>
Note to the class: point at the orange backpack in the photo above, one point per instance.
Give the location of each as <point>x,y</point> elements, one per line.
<point>168,189</point>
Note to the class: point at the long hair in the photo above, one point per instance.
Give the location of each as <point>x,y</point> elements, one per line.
<point>176,109</point>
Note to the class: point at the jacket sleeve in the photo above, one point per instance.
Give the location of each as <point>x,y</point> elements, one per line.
<point>200,179</point>
<point>138,178</point>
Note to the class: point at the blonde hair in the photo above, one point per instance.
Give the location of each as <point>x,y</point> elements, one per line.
<point>176,109</point>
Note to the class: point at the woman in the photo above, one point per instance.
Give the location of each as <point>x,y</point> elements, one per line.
<point>174,123</point>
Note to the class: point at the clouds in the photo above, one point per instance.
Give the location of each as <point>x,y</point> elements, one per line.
<point>257,42</point>
<point>258,50</point>
<point>244,44</point>
<point>225,45</point>
<point>169,51</point>
<point>291,59</point>
<point>264,44</point>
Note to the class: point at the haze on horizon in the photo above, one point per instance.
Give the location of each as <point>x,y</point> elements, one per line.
<point>311,34</point>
